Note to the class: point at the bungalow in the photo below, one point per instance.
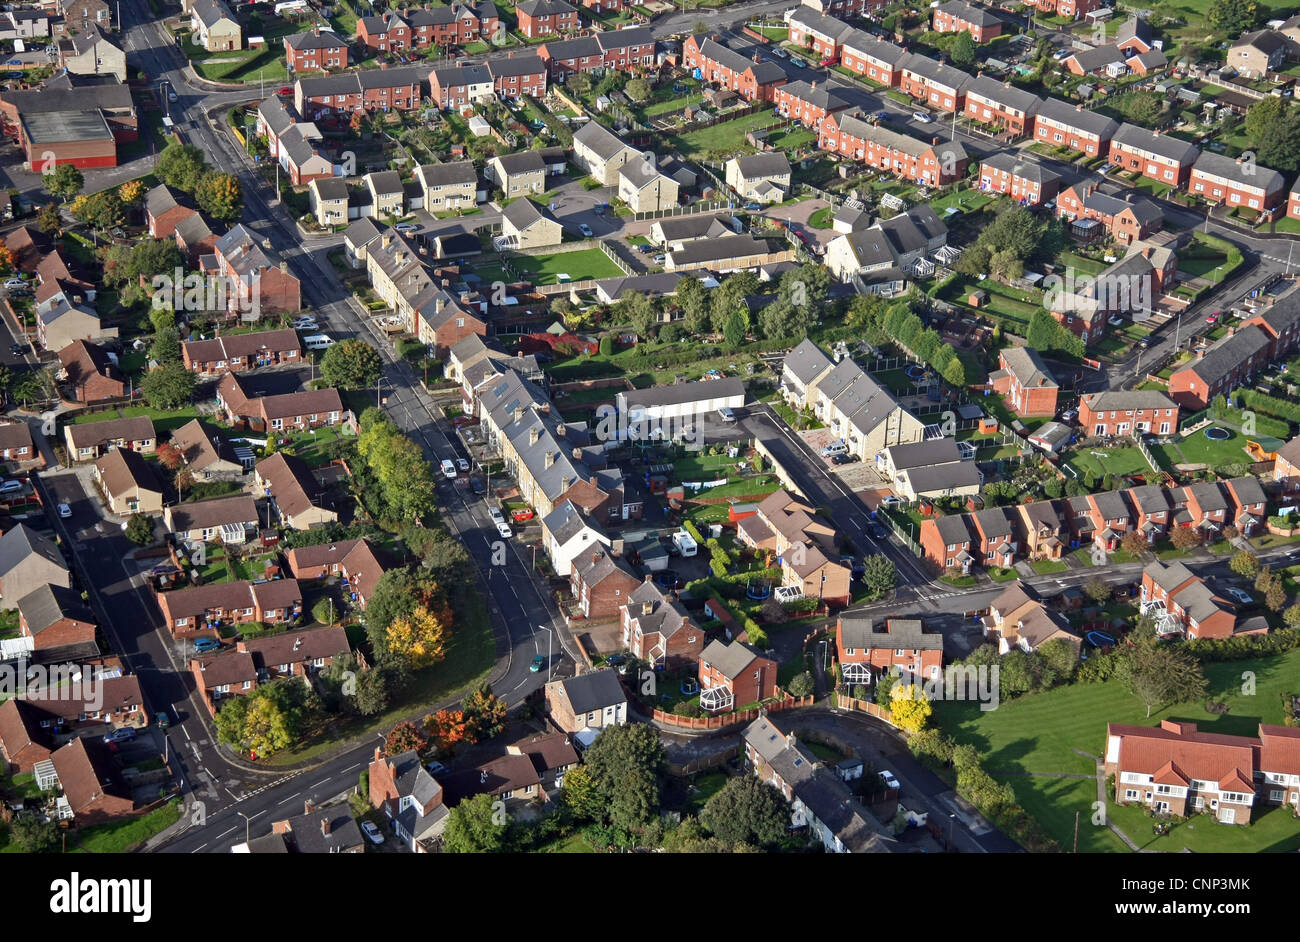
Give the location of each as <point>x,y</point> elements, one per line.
<point>658,629</point>
<point>129,483</point>
<point>17,449</point>
<point>901,646</point>
<point>601,582</point>
<point>951,479</point>
<point>733,675</point>
<point>208,607</point>
<point>88,441</point>
<point>586,702</point>
<point>93,791</point>
<point>232,518</point>
<point>208,455</point>
<point>238,352</point>
<point>1018,619</point>
<point>293,491</point>
<point>1107,60</point>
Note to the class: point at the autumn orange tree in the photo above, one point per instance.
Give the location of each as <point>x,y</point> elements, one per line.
<point>131,191</point>
<point>220,196</point>
<point>446,729</point>
<point>486,712</point>
<point>421,636</point>
<point>404,737</point>
<point>6,258</point>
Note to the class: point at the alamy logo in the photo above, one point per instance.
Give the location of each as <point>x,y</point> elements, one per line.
<point>613,425</point>
<point>75,895</point>
<point>1074,293</point>
<point>52,682</point>
<point>196,293</point>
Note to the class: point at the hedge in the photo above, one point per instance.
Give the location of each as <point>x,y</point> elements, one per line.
<point>1271,405</point>
<point>693,531</point>
<point>1242,647</point>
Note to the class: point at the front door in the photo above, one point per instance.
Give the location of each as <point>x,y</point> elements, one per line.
<point>1227,815</point>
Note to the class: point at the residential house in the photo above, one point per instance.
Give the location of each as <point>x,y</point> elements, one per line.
<point>330,830</point>
<point>568,534</point>
<point>1151,503</point>
<point>387,194</point>
<point>1072,126</point>
<point>1279,766</point>
<point>1134,36</point>
<point>228,673</point>
<point>517,174</point>
<point>590,701</point>
<point>1255,54</point>
<point>816,31</point>
<point>1226,364</point>
<point>754,81</point>
<point>214,27</point>
<point>956,16</point>
<point>802,368</point>
<point>34,725</point>
<point>900,646</point>
<point>315,51</point>
<point>546,18</point>
<point>764,178</point>
<point>1040,523</point>
<point>88,373</point>
<point>1207,507</point>
<point>1069,9</point>
<point>237,352</point>
<point>368,90</point>
<point>727,254</point>
<point>861,412</point>
<point>355,562</point>
<point>525,225</point>
<point>515,76</point>
<point>1018,619</point>
<point>28,561</point>
<point>644,189</point>
<point>66,321</point>
<point>1248,504</point>
<point>298,653</point>
<point>1111,519</point>
<point>93,791</point>
<point>601,582</point>
<point>807,103</point>
<point>1001,105</point>
<point>129,483</point>
<point>601,153</point>
<point>935,163</point>
<point>804,544</point>
<point>1127,221</point>
<point>1183,604</point>
<point>996,538</point>
<point>208,455</point>
<point>942,87</point>
<point>448,186</point>
<point>874,59</point>
<point>54,616</point>
<point>456,87</point>
<point>1108,60</point>
<point>209,607</point>
<point>329,200</point>
<point>231,518</point>
<point>552,755</point>
<point>293,491</point>
<point>17,449</point>
<point>1128,412</point>
<point>1219,179</point>
<point>412,800</point>
<point>733,676</point>
<point>1026,181</point>
<point>630,49</point>
<point>658,629</point>
<point>256,280</point>
<point>1175,769</point>
<point>92,53</point>
<point>286,412</point>
<point>88,441</point>
<point>1025,382</point>
<point>510,779</point>
<point>1156,156</point>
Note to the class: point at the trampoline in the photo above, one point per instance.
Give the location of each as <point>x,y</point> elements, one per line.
<point>1216,434</point>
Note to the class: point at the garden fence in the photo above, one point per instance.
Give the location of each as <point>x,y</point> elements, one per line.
<point>701,207</point>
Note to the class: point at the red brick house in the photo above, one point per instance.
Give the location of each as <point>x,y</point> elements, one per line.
<point>368,90</point>
<point>850,135</point>
<point>54,616</point>
<point>164,208</point>
<point>1184,604</point>
<point>1001,104</point>
<point>353,561</point>
<point>316,51</point>
<point>1152,511</point>
<point>947,543</point>
<point>1156,156</point>
<point>254,279</point>
<point>515,75</point>
<point>958,17</point>
<point>89,374</point>
<point>1174,769</point>
<point>995,537</point>
<point>755,81</point>
<point>1126,221</point>
<point>32,727</point>
<point>16,445</point>
<point>235,352</point>
<point>1111,519</point>
<point>412,799</point>
<point>228,673</point>
<point>546,18</point>
<point>91,785</point>
<point>873,58</point>
<point>1071,126</point>
<point>1279,765</point>
<point>942,87</point>
<point>1025,382</point>
<point>219,604</point>
<point>388,33</point>
<point>733,676</point>
<point>1248,504</point>
<point>296,653</point>
<point>1229,362</point>
<point>1070,9</point>
<point>458,86</point>
<point>1207,506</point>
<point>807,103</point>
<point>627,50</point>
<point>657,628</point>
<point>817,31</point>
<point>1026,181</point>
<point>1128,412</point>
<point>866,653</point>
<point>601,582</point>
<point>286,412</point>
<point>1219,179</point>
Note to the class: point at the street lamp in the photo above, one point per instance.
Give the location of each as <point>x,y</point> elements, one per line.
<point>951,819</point>
<point>247,825</point>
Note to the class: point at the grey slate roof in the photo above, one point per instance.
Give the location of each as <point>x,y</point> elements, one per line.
<point>864,43</point>
<point>936,73</point>
<point>953,529</point>
<point>895,633</point>
<point>331,188</point>
<point>1134,28</point>
<point>921,454</point>
<point>682,393</point>
<point>519,65</point>
<point>772,163</point>
<point>1094,60</point>
<point>806,361</point>
<point>451,76</point>
<point>730,659</point>
<point>1121,400</point>
<point>524,161</point>
<point>1111,505</point>
<point>971,14</point>
<point>1028,367</point>
<point>594,691</point>
<point>822,96</point>
<point>1168,576</point>
<point>1004,93</point>
<point>523,213</point>
<point>764,72</point>
<point>943,477</point>
<point>48,604</point>
<point>596,137</point>
<point>22,542</point>
<point>566,521</point>
<point>1247,174</point>
<point>1208,496</point>
<point>1078,118</point>
<point>1170,148</point>
<point>1227,354</point>
<point>1015,165</point>
<point>723,249</point>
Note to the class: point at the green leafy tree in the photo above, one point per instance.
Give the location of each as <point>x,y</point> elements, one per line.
<point>801,684</point>
<point>180,166</point>
<point>1160,674</point>
<point>627,765</point>
<point>139,529</point>
<point>101,210</point>
<point>1279,144</point>
<point>638,89</point>
<point>1233,17</point>
<point>220,196</point>
<point>63,182</point>
<point>962,50</point>
<point>1097,590</point>
<point>693,298</point>
<point>325,612</point>
<point>477,825</point>
<point>166,346</point>
<point>351,364</point>
<point>31,835</point>
<point>880,575</point>
<point>638,311</point>
<point>748,811</point>
<point>1140,108</point>
<point>1262,114</point>
<point>581,796</point>
<point>733,332</point>
<point>48,219</point>
<point>170,386</point>
<point>1244,563</point>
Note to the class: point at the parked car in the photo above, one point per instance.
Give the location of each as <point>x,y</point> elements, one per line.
<point>448,469</point>
<point>285,90</point>
<point>923,117</point>
<point>162,720</point>
<point>436,768</point>
<point>780,53</point>
<point>204,645</point>
<point>844,459</point>
<point>406,227</point>
<point>1213,318</point>
<point>504,531</point>
<point>17,349</point>
<point>798,63</point>
<point>887,779</point>
<point>15,283</point>
<point>12,487</point>
<point>891,501</point>
<point>124,734</point>
<point>660,259</point>
<point>65,511</point>
<point>877,532</point>
<point>477,485</point>
<point>522,514</point>
<point>462,465</point>
<point>1240,595</point>
<point>585,230</point>
<point>495,514</point>
<point>373,834</point>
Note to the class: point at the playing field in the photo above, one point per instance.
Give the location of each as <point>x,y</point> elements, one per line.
<point>547,269</point>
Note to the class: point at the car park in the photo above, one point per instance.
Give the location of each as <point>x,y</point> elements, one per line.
<point>448,469</point>
<point>373,834</point>
<point>204,645</point>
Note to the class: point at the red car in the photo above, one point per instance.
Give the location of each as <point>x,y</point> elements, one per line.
<point>285,90</point>
<point>829,61</point>
<point>1213,318</point>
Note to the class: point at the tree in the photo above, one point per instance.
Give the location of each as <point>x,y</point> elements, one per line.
<point>63,182</point>
<point>420,638</point>
<point>220,196</point>
<point>485,712</point>
<point>1233,17</point>
<point>1279,142</point>
<point>880,575</point>
<point>734,330</point>
<point>446,729</point>
<point>693,298</point>
<point>478,825</point>
<point>139,529</point>
<point>351,364</point>
<point>48,219</point>
<point>162,318</point>
<point>274,718</point>
<point>1134,543</point>
<point>1097,590</point>
<point>1292,616</point>
<point>395,596</point>
<point>170,386</point>
<point>638,311</point>
<point>404,737</point>
<point>1159,674</point>
<point>169,456</point>
<point>1244,563</point>
<point>1140,108</point>
<point>909,708</point>
<point>166,346</point>
<point>101,210</point>
<point>1275,595</point>
<point>1184,538</point>
<point>581,795</point>
<point>373,690</point>
<point>131,192</point>
<point>1263,113</point>
<point>747,810</point>
<point>180,166</point>
<point>31,835</point>
<point>962,51</point>
<point>638,89</point>
<point>325,612</point>
<point>627,764</point>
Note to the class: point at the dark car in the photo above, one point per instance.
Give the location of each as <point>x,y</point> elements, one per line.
<point>844,459</point>
<point>125,734</point>
<point>16,349</point>
<point>877,532</point>
<point>668,579</point>
<point>477,485</point>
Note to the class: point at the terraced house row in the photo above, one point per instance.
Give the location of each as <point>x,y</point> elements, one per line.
<point>998,536</point>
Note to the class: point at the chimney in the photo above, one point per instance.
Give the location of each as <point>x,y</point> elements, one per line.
<point>550,458</point>
<point>387,240</point>
<point>647,606</point>
<point>1178,728</point>
<point>437,305</point>
<point>649,577</point>
<point>566,483</point>
<point>308,806</point>
<point>535,433</point>
<point>379,753</point>
<point>316,30</point>
<point>519,413</point>
<point>325,826</point>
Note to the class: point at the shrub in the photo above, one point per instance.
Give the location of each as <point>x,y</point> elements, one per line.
<point>801,685</point>
<point>325,612</point>
<point>693,531</point>
<point>688,708</point>
<point>859,692</point>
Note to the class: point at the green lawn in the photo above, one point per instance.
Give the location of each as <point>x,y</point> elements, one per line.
<point>163,420</point>
<point>573,844</point>
<point>967,201</point>
<point>1197,449</point>
<point>266,64</point>
<point>1101,461</point>
<point>121,837</point>
<point>726,139</point>
<point>1209,257</point>
<point>1038,733</point>
<point>545,269</point>
<point>1045,567</point>
<point>822,219</point>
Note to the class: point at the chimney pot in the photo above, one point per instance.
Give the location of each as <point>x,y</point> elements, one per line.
<point>325,826</point>
<point>308,806</point>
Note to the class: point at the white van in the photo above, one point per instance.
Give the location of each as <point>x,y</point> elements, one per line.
<point>318,342</point>
<point>835,448</point>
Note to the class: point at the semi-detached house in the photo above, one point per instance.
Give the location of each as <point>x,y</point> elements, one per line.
<point>989,101</point>
<point>1026,181</point>
<point>808,104</point>
<point>873,58</point>
<point>755,81</point>
<point>658,629</point>
<point>901,646</point>
<point>242,351</point>
<point>546,18</point>
<point>315,51</point>
<point>1071,126</point>
<point>1128,412</point>
<point>519,75</point>
<point>626,50</point>
<point>297,411</point>
<point>368,90</point>
<point>1156,156</point>
<point>851,135</point>
<point>956,16</point>
<point>939,86</point>
<point>221,604</point>
<point>1219,179</point>
<point>823,34</point>
<point>459,86</point>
